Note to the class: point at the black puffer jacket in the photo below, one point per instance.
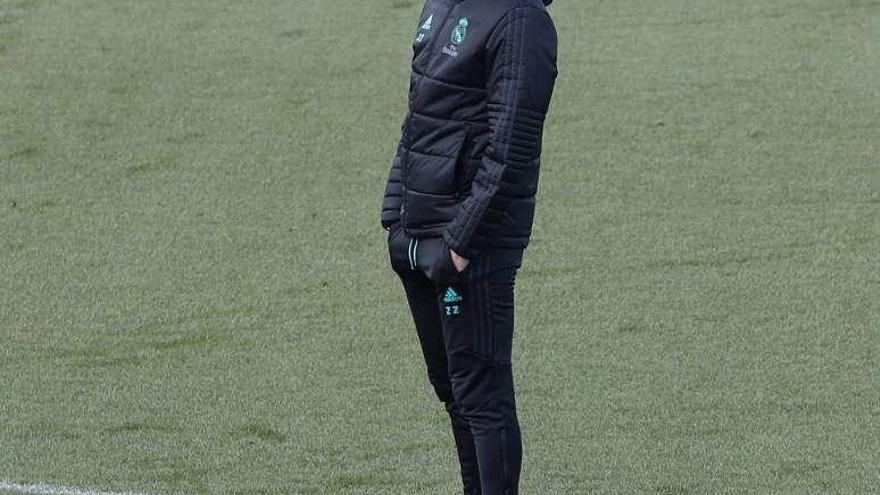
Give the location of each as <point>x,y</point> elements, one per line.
<point>467,165</point>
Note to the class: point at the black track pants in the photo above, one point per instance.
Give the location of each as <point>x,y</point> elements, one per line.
<point>465,326</point>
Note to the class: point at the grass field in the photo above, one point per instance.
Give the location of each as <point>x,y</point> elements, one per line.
<point>194,289</point>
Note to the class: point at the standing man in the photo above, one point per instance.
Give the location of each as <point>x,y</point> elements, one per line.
<point>459,206</point>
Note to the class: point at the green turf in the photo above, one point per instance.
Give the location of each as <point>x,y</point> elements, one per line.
<point>194,290</point>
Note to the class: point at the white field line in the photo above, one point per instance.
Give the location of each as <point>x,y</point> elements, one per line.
<point>47,489</point>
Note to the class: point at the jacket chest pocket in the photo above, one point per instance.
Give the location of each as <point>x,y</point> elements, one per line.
<point>437,174</point>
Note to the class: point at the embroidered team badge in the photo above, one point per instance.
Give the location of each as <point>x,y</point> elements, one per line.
<point>459,35</point>
<point>460,32</point>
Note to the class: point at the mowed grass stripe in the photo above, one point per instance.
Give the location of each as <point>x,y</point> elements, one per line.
<point>48,489</point>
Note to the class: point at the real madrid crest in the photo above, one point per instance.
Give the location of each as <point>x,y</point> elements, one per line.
<point>459,34</point>
<point>460,31</point>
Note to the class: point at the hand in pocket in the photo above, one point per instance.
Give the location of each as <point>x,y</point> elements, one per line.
<point>459,261</point>
<point>399,249</point>
<point>435,260</point>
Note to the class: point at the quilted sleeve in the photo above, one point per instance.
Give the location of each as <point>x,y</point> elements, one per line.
<point>521,58</point>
